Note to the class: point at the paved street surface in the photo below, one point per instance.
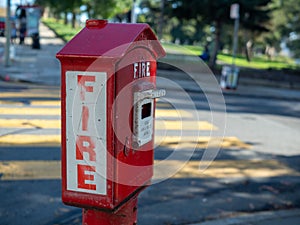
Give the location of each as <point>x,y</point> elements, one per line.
<point>30,154</point>
<point>211,166</point>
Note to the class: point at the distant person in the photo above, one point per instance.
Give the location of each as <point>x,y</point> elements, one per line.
<point>23,26</point>
<point>270,52</point>
<point>13,33</point>
<point>205,56</point>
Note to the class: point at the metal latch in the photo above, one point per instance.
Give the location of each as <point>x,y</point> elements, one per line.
<point>149,94</point>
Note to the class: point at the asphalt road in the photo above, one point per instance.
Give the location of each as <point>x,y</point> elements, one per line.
<point>253,162</point>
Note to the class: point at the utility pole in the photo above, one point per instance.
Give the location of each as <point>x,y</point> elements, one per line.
<point>133,13</point>
<point>235,14</point>
<point>161,19</point>
<point>7,35</point>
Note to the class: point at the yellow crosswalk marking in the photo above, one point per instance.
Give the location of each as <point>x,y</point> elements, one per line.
<point>233,169</point>
<point>170,142</point>
<point>173,113</point>
<point>31,94</point>
<point>45,103</point>
<point>28,123</point>
<point>30,170</point>
<point>32,103</point>
<point>42,169</point>
<point>30,139</point>
<point>183,125</point>
<point>29,111</point>
<point>178,122</point>
<point>200,142</point>
<point>159,124</point>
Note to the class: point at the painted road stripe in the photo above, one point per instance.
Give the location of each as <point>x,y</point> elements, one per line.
<point>30,170</point>
<point>35,94</point>
<point>29,111</point>
<point>200,142</point>
<point>170,142</point>
<point>173,113</point>
<point>32,103</point>
<point>28,123</point>
<point>159,124</point>
<point>35,170</point>
<point>160,114</point>
<point>28,139</point>
<point>226,169</point>
<point>183,125</point>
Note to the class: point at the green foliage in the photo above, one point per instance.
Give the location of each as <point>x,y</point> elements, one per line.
<point>107,8</point>
<point>291,27</point>
<point>294,45</point>
<point>264,22</point>
<point>66,32</point>
<point>94,8</point>
<point>254,15</point>
<point>262,62</point>
<point>185,31</point>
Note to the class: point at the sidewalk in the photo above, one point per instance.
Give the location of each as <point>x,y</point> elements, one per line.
<point>34,65</point>
<point>41,67</point>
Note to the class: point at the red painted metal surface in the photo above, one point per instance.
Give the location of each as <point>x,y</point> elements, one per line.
<point>127,215</point>
<point>135,168</point>
<point>102,67</point>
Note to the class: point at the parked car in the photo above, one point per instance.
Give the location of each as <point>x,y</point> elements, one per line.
<point>2,26</point>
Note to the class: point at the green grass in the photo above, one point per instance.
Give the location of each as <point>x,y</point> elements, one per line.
<point>258,62</point>
<point>261,62</point>
<point>182,49</point>
<point>66,32</point>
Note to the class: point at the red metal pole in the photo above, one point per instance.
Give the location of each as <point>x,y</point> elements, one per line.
<point>126,215</point>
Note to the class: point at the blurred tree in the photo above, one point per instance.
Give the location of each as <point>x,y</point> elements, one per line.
<point>290,25</point>
<point>107,8</point>
<point>94,8</point>
<point>254,15</point>
<point>285,26</point>
<point>63,7</point>
<point>159,15</point>
<point>185,32</point>
<point>155,13</point>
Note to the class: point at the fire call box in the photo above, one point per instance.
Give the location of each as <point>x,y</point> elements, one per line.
<point>108,86</point>
<point>143,115</point>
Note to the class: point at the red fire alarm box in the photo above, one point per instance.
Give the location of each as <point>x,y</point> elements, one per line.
<point>108,92</point>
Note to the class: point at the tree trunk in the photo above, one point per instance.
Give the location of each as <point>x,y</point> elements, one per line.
<point>213,58</point>
<point>73,19</point>
<point>65,18</point>
<point>89,11</point>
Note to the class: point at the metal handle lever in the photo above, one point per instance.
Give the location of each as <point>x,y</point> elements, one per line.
<point>156,93</point>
